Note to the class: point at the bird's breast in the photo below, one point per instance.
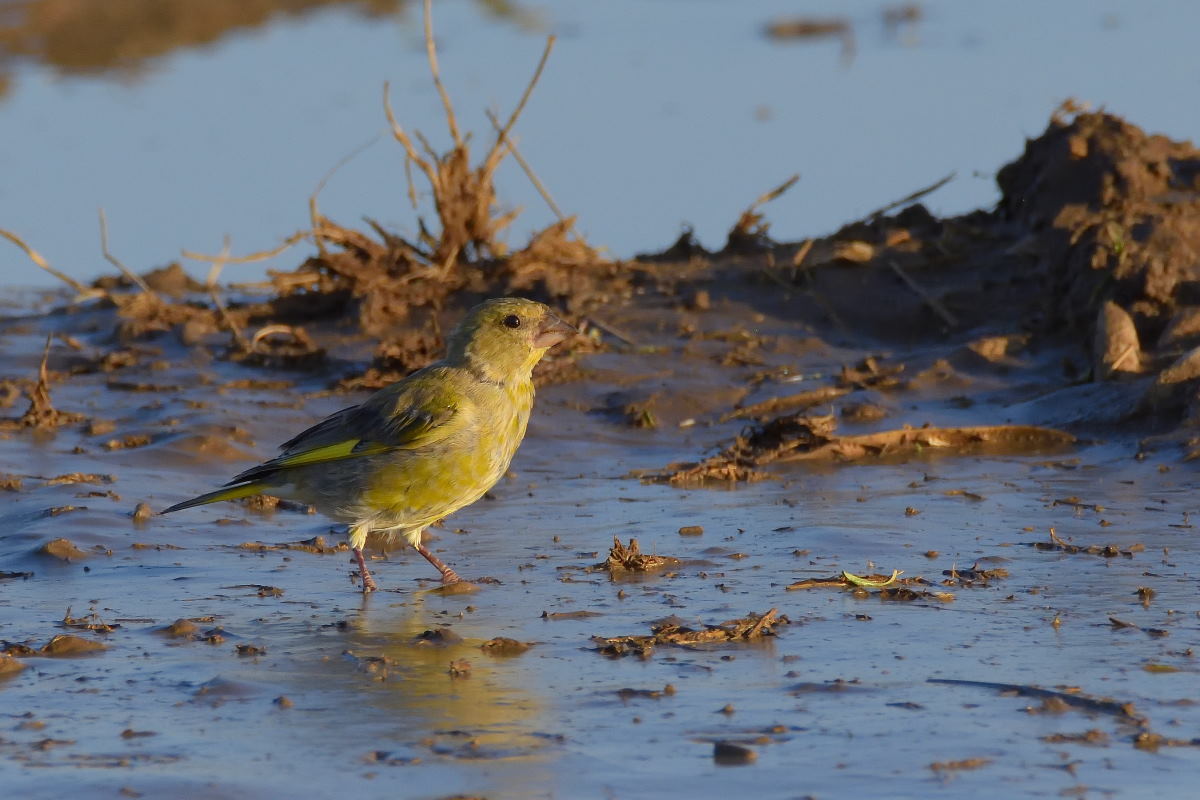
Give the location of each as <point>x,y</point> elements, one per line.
<point>436,481</point>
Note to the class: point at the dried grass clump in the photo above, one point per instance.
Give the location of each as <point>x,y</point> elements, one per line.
<point>385,276</point>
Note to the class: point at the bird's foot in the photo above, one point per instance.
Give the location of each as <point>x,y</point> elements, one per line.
<point>368,583</point>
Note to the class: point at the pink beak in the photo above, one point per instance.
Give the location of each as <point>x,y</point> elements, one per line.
<point>552,331</point>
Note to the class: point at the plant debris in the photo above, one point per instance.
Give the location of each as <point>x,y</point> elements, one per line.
<point>796,437</point>
<point>845,580</point>
<point>669,633</point>
<point>630,558</point>
<point>91,622</point>
<point>1057,545</point>
<point>974,576</point>
<point>316,545</point>
<point>41,414</point>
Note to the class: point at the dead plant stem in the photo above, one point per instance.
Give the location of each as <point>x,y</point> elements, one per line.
<point>910,198</point>
<point>36,257</point>
<point>493,158</point>
<point>533,178</point>
<point>126,271</point>
<point>934,304</point>
<point>431,52</point>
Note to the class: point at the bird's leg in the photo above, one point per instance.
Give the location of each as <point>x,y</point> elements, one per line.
<point>448,575</point>
<point>368,583</point>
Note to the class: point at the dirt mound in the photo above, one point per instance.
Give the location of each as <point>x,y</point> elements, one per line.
<point>1111,213</point>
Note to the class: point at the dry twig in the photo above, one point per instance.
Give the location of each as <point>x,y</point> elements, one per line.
<point>37,259</point>
<point>934,304</point>
<point>910,198</point>
<point>126,271</point>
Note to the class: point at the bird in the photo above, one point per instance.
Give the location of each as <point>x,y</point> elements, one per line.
<point>423,447</point>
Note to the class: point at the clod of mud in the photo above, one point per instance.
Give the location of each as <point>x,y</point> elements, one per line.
<point>957,766</point>
<point>9,666</point>
<point>733,755</point>
<point>65,645</point>
<point>624,558</point>
<point>458,587</point>
<point>1151,742</point>
<point>63,549</point>
<point>863,412</point>
<point>1093,736</point>
<point>142,513</point>
<point>669,633</point>
<point>80,477</point>
<point>437,636</point>
<point>180,629</point>
<point>504,646</point>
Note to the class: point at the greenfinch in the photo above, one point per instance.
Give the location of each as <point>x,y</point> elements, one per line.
<point>423,447</point>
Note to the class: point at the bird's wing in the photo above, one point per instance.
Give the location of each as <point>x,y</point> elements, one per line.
<point>404,416</point>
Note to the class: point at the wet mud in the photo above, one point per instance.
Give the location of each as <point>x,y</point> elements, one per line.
<point>908,506</point>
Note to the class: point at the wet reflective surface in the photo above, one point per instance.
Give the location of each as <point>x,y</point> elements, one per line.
<point>290,681</point>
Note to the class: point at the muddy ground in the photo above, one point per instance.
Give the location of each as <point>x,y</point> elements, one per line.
<point>998,405</point>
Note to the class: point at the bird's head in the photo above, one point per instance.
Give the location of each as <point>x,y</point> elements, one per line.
<point>505,337</point>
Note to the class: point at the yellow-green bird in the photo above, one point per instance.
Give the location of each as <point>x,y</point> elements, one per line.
<point>423,447</point>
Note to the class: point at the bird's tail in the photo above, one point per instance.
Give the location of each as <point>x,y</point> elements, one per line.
<point>232,493</point>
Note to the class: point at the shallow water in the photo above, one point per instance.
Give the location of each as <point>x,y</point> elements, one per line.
<point>649,116</point>
<point>838,704</point>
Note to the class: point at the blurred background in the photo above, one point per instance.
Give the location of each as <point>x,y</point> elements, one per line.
<point>190,121</point>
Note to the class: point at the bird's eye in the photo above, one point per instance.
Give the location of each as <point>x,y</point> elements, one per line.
<point>512,321</point>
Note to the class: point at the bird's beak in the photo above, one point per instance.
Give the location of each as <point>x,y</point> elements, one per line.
<point>552,331</point>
